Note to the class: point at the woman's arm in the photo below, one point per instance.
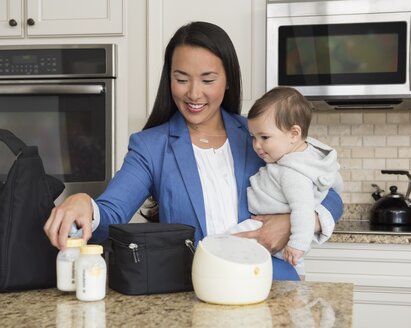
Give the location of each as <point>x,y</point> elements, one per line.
<point>276,229</point>
<point>125,193</point>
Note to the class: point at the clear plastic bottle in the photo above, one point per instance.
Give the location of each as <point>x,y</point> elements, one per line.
<point>66,265</point>
<point>91,274</point>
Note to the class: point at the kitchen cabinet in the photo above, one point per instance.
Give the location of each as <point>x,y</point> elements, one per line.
<point>243,20</point>
<point>49,18</point>
<point>381,274</point>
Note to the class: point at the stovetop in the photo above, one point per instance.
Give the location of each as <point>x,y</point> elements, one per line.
<point>364,227</point>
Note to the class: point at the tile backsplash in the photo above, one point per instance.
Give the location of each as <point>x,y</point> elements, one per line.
<point>367,142</point>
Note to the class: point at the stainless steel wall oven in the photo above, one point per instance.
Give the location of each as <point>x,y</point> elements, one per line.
<point>61,98</point>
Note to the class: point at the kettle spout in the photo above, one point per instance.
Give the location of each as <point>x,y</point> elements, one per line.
<point>377,194</point>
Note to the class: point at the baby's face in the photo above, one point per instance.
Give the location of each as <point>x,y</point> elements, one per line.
<point>269,142</point>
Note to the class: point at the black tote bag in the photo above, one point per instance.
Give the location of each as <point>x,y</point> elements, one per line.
<point>27,259</point>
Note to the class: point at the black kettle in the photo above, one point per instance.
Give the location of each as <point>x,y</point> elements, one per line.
<point>394,208</point>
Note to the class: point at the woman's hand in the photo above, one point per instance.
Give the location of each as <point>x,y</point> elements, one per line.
<point>75,209</point>
<point>274,234</point>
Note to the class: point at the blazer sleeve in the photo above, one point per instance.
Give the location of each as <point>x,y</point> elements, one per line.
<point>128,189</point>
<point>329,212</point>
<point>333,203</point>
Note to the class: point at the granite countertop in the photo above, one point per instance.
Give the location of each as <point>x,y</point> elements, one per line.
<point>290,304</point>
<point>355,227</point>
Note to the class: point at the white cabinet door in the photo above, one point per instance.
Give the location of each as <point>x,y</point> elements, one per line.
<point>48,18</point>
<point>11,18</point>
<point>243,20</point>
<point>74,17</point>
<point>381,274</point>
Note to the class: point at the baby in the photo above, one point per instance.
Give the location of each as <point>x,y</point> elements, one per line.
<point>299,169</point>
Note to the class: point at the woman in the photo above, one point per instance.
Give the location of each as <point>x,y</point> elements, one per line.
<point>194,155</point>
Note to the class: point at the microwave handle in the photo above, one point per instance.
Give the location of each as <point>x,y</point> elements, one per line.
<point>51,89</point>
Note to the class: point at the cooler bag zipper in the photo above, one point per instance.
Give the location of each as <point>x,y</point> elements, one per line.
<point>134,247</point>
<point>189,243</point>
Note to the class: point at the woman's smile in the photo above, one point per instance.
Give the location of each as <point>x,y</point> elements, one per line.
<point>195,108</point>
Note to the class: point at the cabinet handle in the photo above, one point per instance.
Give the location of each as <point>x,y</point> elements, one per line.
<point>12,22</point>
<point>30,21</point>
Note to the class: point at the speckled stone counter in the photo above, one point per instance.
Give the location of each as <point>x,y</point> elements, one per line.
<point>360,231</point>
<point>290,304</point>
<point>354,227</point>
<point>346,237</point>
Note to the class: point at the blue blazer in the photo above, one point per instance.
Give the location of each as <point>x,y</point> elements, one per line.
<point>160,162</point>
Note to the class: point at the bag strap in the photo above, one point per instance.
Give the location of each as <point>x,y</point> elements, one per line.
<point>14,143</point>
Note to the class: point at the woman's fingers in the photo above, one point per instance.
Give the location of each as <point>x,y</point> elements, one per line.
<point>52,226</point>
<point>249,234</point>
<point>261,218</point>
<point>67,219</point>
<point>75,209</point>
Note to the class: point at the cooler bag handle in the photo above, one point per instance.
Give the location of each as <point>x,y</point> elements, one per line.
<point>14,143</point>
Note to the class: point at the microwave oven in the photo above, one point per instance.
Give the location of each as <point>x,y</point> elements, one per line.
<point>341,54</point>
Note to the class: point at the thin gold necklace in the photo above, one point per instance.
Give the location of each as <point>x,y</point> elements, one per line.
<point>204,137</point>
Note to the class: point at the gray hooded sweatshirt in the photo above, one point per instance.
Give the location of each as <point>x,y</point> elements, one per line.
<point>296,184</point>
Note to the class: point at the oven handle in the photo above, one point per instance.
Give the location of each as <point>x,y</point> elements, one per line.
<point>52,89</point>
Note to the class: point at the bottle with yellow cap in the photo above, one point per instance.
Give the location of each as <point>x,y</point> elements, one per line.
<point>66,265</point>
<point>91,274</point>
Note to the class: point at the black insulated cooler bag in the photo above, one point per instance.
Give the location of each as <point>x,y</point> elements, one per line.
<point>150,258</point>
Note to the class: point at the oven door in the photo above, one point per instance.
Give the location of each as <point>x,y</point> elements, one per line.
<point>71,122</point>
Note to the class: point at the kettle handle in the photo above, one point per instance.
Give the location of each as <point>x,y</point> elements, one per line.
<point>401,172</point>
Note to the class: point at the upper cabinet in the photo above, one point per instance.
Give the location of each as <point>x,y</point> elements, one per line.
<point>11,18</point>
<point>243,20</point>
<point>49,18</point>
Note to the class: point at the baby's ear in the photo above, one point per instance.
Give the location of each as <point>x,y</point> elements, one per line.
<point>295,131</point>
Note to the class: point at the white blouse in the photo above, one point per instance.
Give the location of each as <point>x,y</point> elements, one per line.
<point>216,169</point>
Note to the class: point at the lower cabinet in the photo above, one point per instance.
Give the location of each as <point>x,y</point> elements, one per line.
<point>381,274</point>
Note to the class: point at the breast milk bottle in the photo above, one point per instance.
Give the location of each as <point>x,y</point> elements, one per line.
<point>66,264</point>
<point>91,274</point>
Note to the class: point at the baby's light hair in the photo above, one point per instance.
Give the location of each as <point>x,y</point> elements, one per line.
<point>288,106</point>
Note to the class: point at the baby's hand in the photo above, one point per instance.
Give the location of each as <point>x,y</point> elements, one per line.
<point>292,255</point>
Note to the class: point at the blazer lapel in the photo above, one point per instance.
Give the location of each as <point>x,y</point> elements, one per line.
<point>238,144</point>
<point>184,155</point>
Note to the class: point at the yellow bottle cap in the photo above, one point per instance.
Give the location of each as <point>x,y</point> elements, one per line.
<point>75,242</point>
<point>91,249</point>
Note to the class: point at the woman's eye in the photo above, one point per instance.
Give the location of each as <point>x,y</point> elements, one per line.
<point>208,81</point>
<point>265,137</point>
<point>181,81</point>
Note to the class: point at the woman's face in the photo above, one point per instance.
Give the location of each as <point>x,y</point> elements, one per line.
<point>198,84</point>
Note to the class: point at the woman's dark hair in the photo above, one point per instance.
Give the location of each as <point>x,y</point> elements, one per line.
<point>212,38</point>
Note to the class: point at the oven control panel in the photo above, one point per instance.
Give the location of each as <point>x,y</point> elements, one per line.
<point>29,65</point>
<point>51,61</point>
